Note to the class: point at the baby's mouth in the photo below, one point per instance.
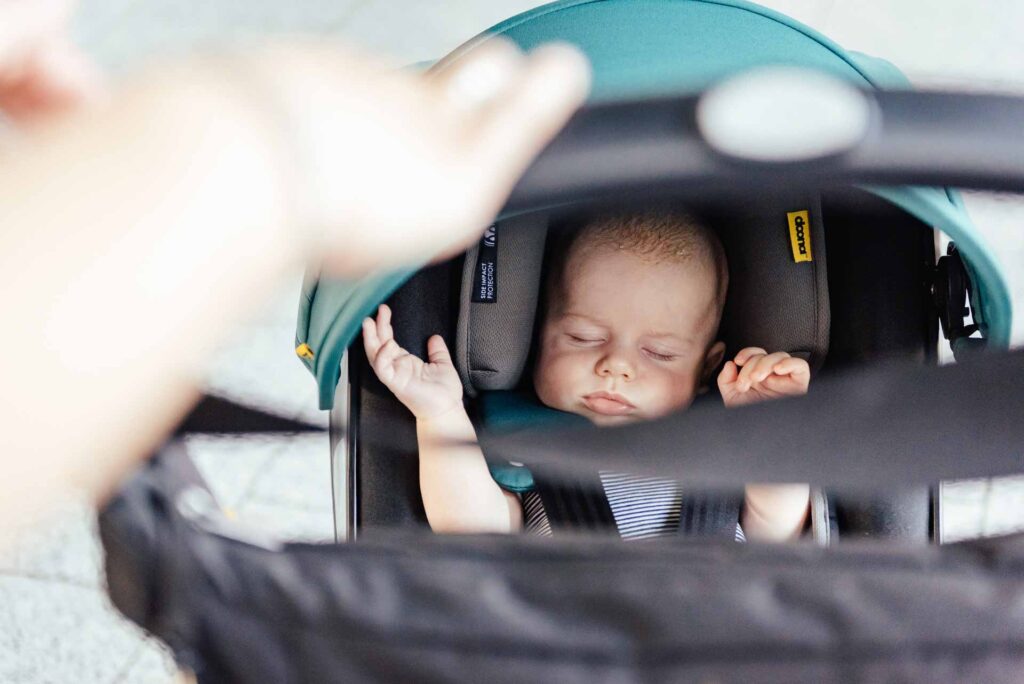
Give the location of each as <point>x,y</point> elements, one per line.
<point>608,404</point>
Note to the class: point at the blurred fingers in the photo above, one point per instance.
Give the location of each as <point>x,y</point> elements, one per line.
<point>23,22</point>
<point>42,72</point>
<point>523,117</point>
<point>479,76</point>
<point>66,76</point>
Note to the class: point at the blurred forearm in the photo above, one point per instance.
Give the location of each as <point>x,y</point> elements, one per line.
<point>121,265</point>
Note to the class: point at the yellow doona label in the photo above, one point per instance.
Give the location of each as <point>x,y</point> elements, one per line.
<point>800,235</point>
<point>304,351</point>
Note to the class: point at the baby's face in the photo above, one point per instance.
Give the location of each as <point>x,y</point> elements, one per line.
<point>630,338</point>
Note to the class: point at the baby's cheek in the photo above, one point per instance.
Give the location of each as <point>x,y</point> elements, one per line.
<point>675,392</point>
<point>553,380</point>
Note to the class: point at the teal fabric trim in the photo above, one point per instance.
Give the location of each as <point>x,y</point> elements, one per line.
<point>310,280</point>
<point>333,318</point>
<point>880,72</point>
<point>512,411</point>
<point>990,300</point>
<point>674,45</point>
<point>512,478</point>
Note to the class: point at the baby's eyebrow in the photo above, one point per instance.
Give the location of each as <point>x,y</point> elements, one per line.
<point>670,337</point>
<point>588,319</point>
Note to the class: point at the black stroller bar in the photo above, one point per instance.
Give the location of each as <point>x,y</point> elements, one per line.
<point>893,425</point>
<point>642,148</point>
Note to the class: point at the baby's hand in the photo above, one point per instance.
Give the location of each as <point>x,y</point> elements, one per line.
<point>427,389</point>
<point>756,375</point>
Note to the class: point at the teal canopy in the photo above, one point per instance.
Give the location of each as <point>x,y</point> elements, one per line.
<point>644,48</point>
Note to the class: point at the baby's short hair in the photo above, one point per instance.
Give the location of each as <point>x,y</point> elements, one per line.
<point>656,235</point>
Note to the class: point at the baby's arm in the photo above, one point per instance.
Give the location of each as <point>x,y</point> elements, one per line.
<point>459,494</point>
<point>771,512</point>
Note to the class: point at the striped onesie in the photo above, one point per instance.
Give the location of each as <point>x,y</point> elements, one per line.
<point>643,507</point>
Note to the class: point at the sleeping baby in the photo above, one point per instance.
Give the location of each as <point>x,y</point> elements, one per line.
<point>631,312</point>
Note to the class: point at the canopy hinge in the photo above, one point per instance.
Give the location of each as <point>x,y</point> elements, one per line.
<point>951,293</point>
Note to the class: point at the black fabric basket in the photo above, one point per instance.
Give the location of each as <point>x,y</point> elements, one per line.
<point>420,607</point>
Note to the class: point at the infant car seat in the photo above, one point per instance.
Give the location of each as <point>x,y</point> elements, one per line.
<point>774,302</point>
<point>864,293</point>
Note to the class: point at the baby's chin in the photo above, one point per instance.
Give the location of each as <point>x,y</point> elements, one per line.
<point>602,420</point>
<point>599,419</point>
<point>611,421</point>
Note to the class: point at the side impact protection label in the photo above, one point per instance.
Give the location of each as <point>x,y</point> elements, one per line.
<point>485,280</point>
<point>800,235</point>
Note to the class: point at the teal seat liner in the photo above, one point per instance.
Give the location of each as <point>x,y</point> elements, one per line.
<point>647,48</point>
<point>511,411</point>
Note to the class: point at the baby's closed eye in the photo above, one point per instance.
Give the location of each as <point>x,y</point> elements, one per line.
<point>661,355</point>
<point>585,338</point>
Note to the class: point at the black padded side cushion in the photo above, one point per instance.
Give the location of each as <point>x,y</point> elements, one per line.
<point>493,337</point>
<point>880,269</point>
<point>774,302</point>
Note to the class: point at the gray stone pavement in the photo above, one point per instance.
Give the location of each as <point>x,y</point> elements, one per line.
<point>56,624</point>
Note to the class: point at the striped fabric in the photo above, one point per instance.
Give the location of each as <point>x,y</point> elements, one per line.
<point>643,507</point>
<point>535,519</point>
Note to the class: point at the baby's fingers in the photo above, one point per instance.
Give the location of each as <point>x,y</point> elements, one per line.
<point>728,375</point>
<point>384,329</point>
<point>794,367</point>
<point>791,376</point>
<point>384,364</point>
<point>437,351</point>
<point>766,365</point>
<point>371,342</point>
<point>748,353</point>
<point>746,375</point>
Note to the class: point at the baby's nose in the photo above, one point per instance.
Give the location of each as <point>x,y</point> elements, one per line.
<point>616,366</point>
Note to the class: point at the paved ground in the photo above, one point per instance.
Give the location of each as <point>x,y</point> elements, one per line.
<point>55,623</point>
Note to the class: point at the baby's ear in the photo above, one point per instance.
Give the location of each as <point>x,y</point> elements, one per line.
<point>712,360</point>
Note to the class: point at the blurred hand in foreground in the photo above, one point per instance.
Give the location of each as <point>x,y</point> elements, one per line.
<point>197,183</point>
<point>417,164</point>
<point>41,70</point>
